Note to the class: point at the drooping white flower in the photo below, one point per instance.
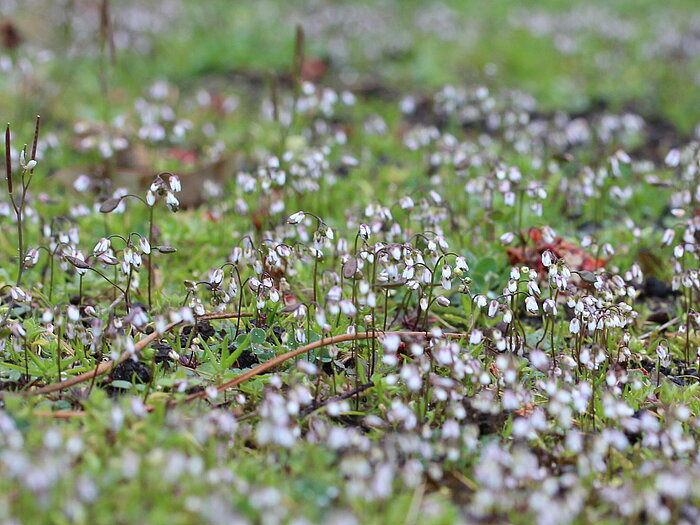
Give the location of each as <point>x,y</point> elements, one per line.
<point>575,326</point>
<point>296,218</point>
<point>531,305</point>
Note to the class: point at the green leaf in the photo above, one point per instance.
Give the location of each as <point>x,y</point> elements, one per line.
<point>257,335</point>
<point>120,383</point>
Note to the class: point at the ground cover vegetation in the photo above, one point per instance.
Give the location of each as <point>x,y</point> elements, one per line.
<point>323,262</point>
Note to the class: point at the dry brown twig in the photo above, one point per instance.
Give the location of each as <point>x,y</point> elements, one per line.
<point>103,368</point>
<point>267,365</point>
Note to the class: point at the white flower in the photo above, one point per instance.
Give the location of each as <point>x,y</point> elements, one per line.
<point>175,184</point>
<point>364,232</point>
<point>531,305</point>
<point>406,203</point>
<point>508,316</point>
<point>216,278</point>
<point>461,264</point>
<point>668,236</point>
<point>446,271</point>
<point>391,342</point>
<point>211,392</point>
<point>171,202</point>
<point>102,246</point>
<point>661,352</point>
<point>348,308</point>
<point>547,258</point>
<point>335,293</point>
<point>507,238</point>
<point>144,245</point>
<point>533,288</point>
<point>575,326</point>
<point>73,313</point>
<point>550,307</point>
<point>82,183</point>
<point>17,293</point>
<point>442,300</point>
<point>296,218</point>
<point>673,158</point>
<point>475,337</point>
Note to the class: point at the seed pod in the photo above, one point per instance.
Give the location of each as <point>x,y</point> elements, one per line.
<point>110,205</point>
<point>78,263</point>
<point>350,268</point>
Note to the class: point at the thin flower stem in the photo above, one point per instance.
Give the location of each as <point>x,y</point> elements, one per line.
<point>150,257</point>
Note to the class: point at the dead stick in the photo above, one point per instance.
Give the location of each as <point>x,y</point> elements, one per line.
<point>306,348</point>
<point>102,368</point>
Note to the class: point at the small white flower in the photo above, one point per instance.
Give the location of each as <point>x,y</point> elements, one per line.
<point>446,271</point>
<point>144,245</point>
<point>550,307</point>
<point>575,326</point>
<point>507,238</point>
<point>442,300</point>
<point>211,392</point>
<point>673,158</point>
<point>461,264</point>
<point>533,288</point>
<point>475,337</point>
<point>547,258</point>
<point>508,316</point>
<point>662,352</point>
<point>73,313</point>
<point>391,342</point>
<point>531,305</point>
<point>102,246</point>
<point>406,203</point>
<point>348,308</point>
<point>296,218</point>
<point>668,236</point>
<point>18,294</point>
<point>82,183</point>
<point>216,278</point>
<point>175,184</point>
<point>364,232</point>
<point>171,202</point>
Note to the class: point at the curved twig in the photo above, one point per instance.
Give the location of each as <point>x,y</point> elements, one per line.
<point>103,368</point>
<point>263,367</point>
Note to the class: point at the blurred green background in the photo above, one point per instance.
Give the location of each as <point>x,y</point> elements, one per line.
<point>642,55</point>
